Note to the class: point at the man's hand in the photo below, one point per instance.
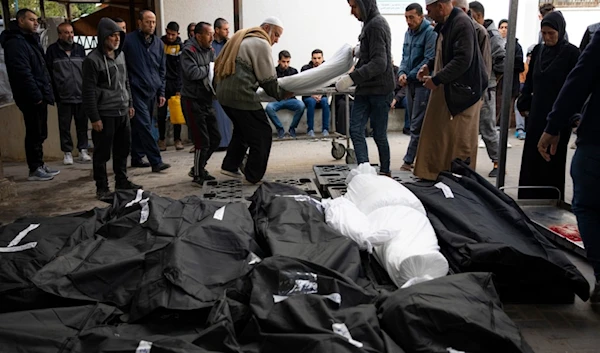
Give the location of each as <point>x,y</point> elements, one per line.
<point>393,106</point>
<point>344,83</point>
<point>131,112</point>
<point>402,80</point>
<point>97,126</point>
<point>429,83</point>
<point>161,101</point>
<point>317,97</point>
<point>288,95</point>
<point>546,141</point>
<point>356,51</point>
<point>423,71</point>
<point>524,114</point>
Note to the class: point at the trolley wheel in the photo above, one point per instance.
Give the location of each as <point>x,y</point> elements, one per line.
<point>337,150</point>
<point>350,156</point>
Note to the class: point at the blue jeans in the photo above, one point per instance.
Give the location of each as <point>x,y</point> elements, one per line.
<point>418,97</point>
<point>143,132</point>
<point>520,120</point>
<point>311,104</point>
<point>585,171</point>
<point>376,107</point>
<point>290,104</point>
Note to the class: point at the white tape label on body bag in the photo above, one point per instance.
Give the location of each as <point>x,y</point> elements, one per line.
<point>342,330</point>
<point>254,259</point>
<point>22,235</point>
<point>145,211</point>
<point>220,213</point>
<point>144,347</point>
<point>19,248</point>
<point>137,199</point>
<point>334,297</point>
<point>445,189</point>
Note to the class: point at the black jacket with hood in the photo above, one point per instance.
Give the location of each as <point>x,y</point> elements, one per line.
<point>66,71</point>
<point>26,67</point>
<point>105,90</point>
<point>464,74</point>
<point>195,67</point>
<point>374,73</point>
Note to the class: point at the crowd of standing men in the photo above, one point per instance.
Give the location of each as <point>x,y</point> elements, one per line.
<point>116,87</point>
<point>451,74</point>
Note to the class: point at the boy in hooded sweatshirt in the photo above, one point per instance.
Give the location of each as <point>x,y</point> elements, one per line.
<point>108,103</point>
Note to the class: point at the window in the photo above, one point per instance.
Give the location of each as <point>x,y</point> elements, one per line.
<point>572,3</point>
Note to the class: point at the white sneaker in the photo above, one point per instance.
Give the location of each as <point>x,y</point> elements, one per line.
<point>481,143</point>
<point>84,157</point>
<point>68,160</point>
<point>508,145</point>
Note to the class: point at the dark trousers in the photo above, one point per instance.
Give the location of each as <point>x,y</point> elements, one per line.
<point>115,136</point>
<point>142,141</point>
<point>418,98</point>
<point>375,108</point>
<point>251,129</point>
<point>66,113</point>
<point>200,117</point>
<point>36,132</point>
<point>585,171</point>
<point>162,122</point>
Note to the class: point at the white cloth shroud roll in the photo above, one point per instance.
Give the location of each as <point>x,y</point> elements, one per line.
<point>390,218</point>
<point>319,77</point>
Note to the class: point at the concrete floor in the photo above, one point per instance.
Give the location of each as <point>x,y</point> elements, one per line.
<point>548,328</point>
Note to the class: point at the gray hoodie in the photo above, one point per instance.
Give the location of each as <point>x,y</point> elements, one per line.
<point>498,52</point>
<point>105,90</point>
<point>374,73</point>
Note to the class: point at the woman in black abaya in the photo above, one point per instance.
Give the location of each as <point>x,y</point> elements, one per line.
<point>551,62</point>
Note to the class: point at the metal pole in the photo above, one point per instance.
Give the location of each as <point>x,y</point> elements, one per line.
<point>509,68</point>
<point>347,120</point>
<point>132,16</point>
<point>237,15</point>
<point>5,13</point>
<point>69,17</point>
<point>42,10</point>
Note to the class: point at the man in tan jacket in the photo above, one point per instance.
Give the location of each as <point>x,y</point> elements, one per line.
<point>244,64</point>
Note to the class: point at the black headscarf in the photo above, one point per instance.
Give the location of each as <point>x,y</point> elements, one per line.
<point>556,21</point>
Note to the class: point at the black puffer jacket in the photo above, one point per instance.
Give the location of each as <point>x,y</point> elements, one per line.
<point>27,72</point>
<point>374,73</point>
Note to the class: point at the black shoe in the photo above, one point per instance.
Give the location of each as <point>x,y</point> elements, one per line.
<point>207,176</point>
<point>160,167</point>
<point>127,185</point>
<point>406,131</point>
<point>104,194</point>
<point>198,182</point>
<point>191,172</point>
<point>595,296</point>
<point>494,173</point>
<point>140,164</point>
